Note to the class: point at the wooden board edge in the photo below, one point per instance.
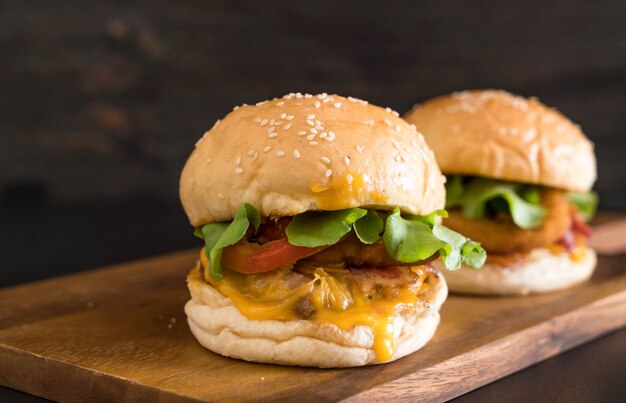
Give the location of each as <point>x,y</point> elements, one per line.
<point>47,378</point>
<point>507,355</point>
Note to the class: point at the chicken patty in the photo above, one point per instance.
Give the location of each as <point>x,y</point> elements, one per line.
<point>500,235</point>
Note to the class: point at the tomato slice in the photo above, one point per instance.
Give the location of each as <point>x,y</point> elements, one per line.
<point>247,258</point>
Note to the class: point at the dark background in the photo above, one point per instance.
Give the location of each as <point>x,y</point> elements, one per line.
<point>101,102</point>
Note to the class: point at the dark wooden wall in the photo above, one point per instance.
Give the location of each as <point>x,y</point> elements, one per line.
<point>104,100</point>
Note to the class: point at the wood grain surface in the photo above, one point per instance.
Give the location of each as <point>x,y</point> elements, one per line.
<point>119,333</point>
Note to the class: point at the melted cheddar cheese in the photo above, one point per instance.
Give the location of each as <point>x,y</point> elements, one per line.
<point>575,255</point>
<point>332,294</point>
<point>343,191</point>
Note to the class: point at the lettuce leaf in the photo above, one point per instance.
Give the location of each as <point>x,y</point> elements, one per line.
<point>478,195</point>
<point>585,203</point>
<point>417,238</point>
<point>407,238</point>
<point>319,228</point>
<point>217,236</point>
<point>369,227</point>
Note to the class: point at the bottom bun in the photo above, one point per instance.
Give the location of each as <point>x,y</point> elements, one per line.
<point>541,271</point>
<point>219,326</point>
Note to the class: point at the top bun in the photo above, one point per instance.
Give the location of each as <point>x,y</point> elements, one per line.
<point>500,135</point>
<point>309,152</point>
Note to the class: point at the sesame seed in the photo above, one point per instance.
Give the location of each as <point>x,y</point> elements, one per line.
<point>287,126</point>
<point>250,153</point>
<point>310,123</point>
<point>331,136</point>
<point>387,122</point>
<point>413,127</point>
<point>258,120</point>
<point>281,103</point>
<point>396,114</point>
<point>329,172</point>
<point>280,153</point>
<point>301,132</point>
<point>238,171</point>
<point>359,149</point>
<point>235,108</point>
<point>278,123</point>
<point>310,137</point>
<point>296,153</point>
<point>313,143</point>
<point>264,122</point>
<point>398,128</point>
<point>337,105</point>
<point>267,148</point>
<point>208,160</point>
<point>271,129</point>
<point>313,130</point>
<point>317,104</point>
<point>272,122</point>
<point>347,160</point>
<point>322,95</point>
<point>272,135</point>
<point>260,103</point>
<point>388,109</point>
<point>326,160</point>
<point>318,123</point>
<point>349,179</point>
<point>283,115</point>
<point>398,158</point>
<point>221,196</point>
<point>323,135</point>
<point>289,117</point>
<point>238,160</point>
<point>311,117</point>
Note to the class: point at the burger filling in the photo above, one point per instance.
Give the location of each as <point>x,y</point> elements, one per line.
<point>347,267</point>
<point>511,219</point>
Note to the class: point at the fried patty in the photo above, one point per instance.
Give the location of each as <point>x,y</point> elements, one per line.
<point>500,235</point>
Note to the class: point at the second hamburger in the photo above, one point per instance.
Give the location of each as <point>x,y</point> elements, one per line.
<point>519,180</point>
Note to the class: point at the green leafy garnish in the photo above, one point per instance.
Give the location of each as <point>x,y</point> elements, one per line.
<point>217,236</point>
<point>478,195</point>
<point>459,249</point>
<point>407,238</point>
<point>417,238</point>
<point>369,227</point>
<point>318,228</point>
<point>585,203</point>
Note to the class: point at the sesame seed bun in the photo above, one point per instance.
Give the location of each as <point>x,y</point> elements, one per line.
<point>541,271</point>
<point>219,326</point>
<point>503,136</point>
<point>309,152</point>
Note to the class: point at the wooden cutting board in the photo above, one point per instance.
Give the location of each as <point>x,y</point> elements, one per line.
<point>119,334</point>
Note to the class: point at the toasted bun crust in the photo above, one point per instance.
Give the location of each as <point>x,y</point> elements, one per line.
<point>304,152</point>
<point>500,135</point>
<point>543,271</point>
<point>219,326</point>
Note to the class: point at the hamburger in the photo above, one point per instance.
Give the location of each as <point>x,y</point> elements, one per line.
<point>519,176</point>
<point>320,216</point>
